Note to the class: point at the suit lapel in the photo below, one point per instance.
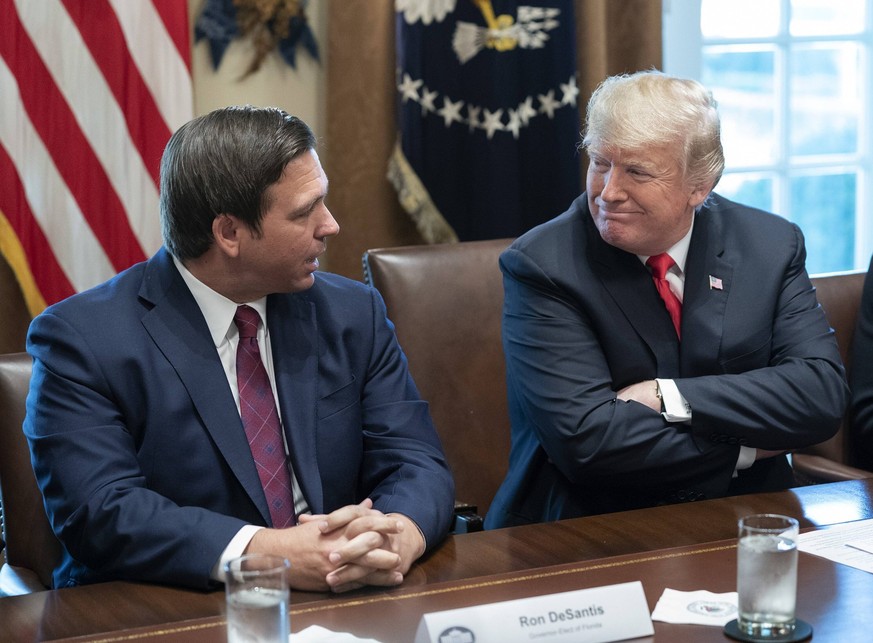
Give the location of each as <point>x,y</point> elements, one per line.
<point>630,285</point>
<point>708,277</point>
<point>178,329</point>
<point>294,340</point>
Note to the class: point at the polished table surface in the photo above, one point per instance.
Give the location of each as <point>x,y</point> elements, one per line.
<point>687,546</point>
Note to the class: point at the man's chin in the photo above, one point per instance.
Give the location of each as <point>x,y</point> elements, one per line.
<point>301,284</point>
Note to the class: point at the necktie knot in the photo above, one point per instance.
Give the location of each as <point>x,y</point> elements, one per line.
<point>660,264</point>
<point>247,321</point>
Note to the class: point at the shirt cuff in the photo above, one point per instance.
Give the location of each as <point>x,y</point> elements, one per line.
<point>234,549</point>
<point>676,407</point>
<point>747,457</point>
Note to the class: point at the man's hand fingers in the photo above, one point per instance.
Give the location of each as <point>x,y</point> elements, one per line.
<point>344,515</point>
<point>351,577</point>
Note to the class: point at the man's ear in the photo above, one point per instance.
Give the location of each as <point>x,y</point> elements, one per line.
<point>226,230</point>
<point>699,195</point>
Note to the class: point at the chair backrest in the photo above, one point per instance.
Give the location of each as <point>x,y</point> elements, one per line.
<point>839,294</point>
<point>30,543</point>
<point>446,302</point>
<point>14,316</point>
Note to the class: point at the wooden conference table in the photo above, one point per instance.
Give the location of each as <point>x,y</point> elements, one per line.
<point>684,547</point>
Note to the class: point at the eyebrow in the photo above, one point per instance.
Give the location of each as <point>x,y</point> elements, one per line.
<point>626,161</point>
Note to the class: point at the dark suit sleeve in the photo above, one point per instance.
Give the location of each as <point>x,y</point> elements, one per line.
<point>403,466</point>
<point>84,455</point>
<point>862,375</point>
<point>561,393</point>
<point>790,390</point>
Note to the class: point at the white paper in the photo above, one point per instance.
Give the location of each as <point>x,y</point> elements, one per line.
<point>849,544</point>
<point>863,545</point>
<point>324,635</point>
<point>697,608</point>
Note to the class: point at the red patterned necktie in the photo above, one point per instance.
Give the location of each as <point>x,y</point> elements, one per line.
<point>660,264</point>
<point>261,420</point>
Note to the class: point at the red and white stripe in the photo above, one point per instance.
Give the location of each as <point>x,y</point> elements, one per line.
<point>90,91</point>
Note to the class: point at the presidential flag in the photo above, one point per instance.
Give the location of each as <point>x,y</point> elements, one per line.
<point>488,116</point>
<point>90,92</point>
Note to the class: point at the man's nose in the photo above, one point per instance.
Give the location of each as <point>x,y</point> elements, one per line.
<point>613,186</point>
<point>329,227</point>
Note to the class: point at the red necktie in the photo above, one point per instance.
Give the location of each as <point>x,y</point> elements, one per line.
<point>261,420</point>
<point>660,264</point>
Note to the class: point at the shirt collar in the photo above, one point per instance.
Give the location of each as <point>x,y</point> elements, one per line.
<point>678,251</point>
<point>218,310</point>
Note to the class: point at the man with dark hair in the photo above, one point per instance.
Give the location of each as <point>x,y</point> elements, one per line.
<point>225,398</point>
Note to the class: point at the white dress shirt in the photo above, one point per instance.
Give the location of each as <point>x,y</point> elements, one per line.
<point>676,407</point>
<point>218,311</point>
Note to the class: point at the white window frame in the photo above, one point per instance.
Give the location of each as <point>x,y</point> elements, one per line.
<point>682,47</point>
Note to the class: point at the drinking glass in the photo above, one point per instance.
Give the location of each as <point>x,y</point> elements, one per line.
<point>767,576</point>
<point>256,588</point>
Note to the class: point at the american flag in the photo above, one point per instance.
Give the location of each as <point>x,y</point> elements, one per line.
<point>90,91</point>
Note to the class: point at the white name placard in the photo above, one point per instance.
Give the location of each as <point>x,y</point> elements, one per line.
<point>596,615</point>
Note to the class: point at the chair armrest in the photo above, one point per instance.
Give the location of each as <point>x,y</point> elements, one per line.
<point>467,518</point>
<point>814,469</point>
<point>15,581</point>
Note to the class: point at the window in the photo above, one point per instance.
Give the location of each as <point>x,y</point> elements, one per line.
<point>793,79</point>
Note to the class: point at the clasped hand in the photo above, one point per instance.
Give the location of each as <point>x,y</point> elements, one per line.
<point>349,548</point>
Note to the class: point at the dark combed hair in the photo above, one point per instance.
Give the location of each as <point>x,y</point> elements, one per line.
<point>223,163</point>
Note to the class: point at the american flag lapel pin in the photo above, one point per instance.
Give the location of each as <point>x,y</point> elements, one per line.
<point>715,283</point>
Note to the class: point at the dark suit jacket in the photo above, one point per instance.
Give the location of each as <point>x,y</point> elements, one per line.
<point>139,449</point>
<point>758,364</point>
<point>862,377</point>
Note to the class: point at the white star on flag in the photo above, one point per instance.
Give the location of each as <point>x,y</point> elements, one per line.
<point>548,104</point>
<point>451,111</point>
<point>493,122</point>
<point>571,91</point>
<point>409,88</point>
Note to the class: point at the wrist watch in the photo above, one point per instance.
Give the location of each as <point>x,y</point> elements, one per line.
<point>659,395</point>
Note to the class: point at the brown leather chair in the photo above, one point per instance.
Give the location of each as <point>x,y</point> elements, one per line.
<point>31,548</point>
<point>840,296</point>
<point>446,302</point>
<point>14,316</point>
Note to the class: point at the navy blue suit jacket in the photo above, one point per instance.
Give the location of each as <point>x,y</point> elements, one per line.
<point>758,364</point>
<point>138,446</point>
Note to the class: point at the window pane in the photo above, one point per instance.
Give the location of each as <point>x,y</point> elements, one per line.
<point>741,80</point>
<point>823,205</point>
<point>825,98</point>
<point>720,19</point>
<point>826,17</point>
<point>749,188</point>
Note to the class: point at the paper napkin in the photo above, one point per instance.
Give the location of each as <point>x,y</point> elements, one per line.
<point>323,635</point>
<point>698,608</point>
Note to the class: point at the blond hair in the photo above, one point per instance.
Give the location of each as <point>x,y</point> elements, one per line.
<point>648,108</point>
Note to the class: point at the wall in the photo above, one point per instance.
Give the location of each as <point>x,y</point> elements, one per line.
<point>300,91</point>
